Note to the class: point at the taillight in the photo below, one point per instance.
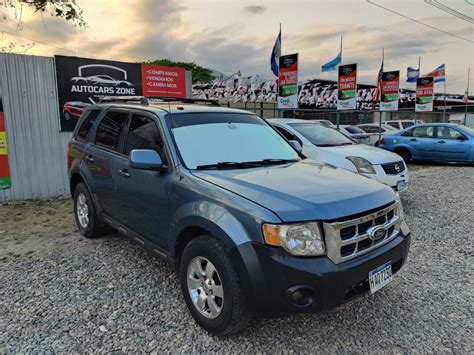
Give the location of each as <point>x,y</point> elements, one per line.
<point>382,141</point>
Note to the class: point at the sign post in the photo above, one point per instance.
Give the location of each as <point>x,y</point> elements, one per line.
<point>424,94</point>
<point>347,87</point>
<point>288,82</point>
<point>390,87</point>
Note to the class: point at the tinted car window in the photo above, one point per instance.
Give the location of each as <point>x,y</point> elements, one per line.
<point>448,133</point>
<point>109,130</point>
<point>285,133</point>
<point>393,124</point>
<point>87,124</point>
<point>423,132</point>
<point>143,133</point>
<point>320,135</point>
<point>407,124</point>
<point>353,130</point>
<point>370,129</point>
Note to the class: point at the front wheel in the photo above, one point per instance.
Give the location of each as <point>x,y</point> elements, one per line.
<point>211,287</point>
<point>86,216</point>
<point>404,153</point>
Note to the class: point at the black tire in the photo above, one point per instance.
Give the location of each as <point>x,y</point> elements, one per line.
<point>234,314</point>
<point>94,228</point>
<point>404,153</point>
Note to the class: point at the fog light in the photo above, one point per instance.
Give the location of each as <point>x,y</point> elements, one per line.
<point>301,296</point>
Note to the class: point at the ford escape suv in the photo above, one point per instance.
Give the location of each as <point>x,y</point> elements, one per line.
<point>249,223</point>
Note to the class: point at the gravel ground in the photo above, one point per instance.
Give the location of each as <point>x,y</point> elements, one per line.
<point>60,292</point>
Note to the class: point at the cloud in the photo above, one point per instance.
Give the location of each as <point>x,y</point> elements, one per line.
<point>254,9</point>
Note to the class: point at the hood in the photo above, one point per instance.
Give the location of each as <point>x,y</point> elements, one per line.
<point>303,191</point>
<point>372,154</point>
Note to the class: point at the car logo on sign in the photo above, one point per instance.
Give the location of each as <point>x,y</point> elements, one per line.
<point>375,233</point>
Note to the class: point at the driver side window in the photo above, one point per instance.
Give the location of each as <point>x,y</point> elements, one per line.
<point>143,133</point>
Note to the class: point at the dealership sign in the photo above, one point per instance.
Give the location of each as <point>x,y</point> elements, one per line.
<point>389,95</point>
<point>424,94</point>
<point>5,180</point>
<point>83,81</point>
<point>347,87</point>
<point>288,81</point>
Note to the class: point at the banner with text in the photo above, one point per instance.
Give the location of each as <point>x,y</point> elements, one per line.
<point>389,95</point>
<point>347,87</point>
<point>424,94</point>
<point>83,81</point>
<point>5,180</point>
<point>288,81</point>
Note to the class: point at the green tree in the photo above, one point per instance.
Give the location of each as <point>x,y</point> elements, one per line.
<point>68,11</point>
<point>200,74</point>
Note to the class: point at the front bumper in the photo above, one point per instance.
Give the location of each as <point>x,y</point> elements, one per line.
<point>270,275</point>
<point>390,180</point>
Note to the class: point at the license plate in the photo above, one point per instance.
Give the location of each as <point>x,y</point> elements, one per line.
<point>401,185</point>
<point>380,277</point>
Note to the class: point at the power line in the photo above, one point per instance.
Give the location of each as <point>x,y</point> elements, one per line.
<point>419,22</point>
<point>450,10</point>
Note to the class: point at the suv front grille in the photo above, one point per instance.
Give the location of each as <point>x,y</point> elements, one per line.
<point>394,168</point>
<point>349,239</point>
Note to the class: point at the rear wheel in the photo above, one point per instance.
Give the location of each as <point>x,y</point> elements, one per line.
<point>85,212</point>
<point>404,153</point>
<point>211,287</point>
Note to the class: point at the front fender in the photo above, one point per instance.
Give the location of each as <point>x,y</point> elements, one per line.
<point>209,216</point>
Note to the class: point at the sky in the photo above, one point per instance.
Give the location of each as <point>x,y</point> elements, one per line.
<point>229,35</point>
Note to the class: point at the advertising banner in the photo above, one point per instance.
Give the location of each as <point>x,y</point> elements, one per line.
<point>347,87</point>
<point>83,81</point>
<point>288,81</point>
<point>389,87</point>
<point>424,94</point>
<point>5,180</point>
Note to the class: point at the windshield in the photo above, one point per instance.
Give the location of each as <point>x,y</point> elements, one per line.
<point>468,130</point>
<point>321,135</point>
<point>205,139</point>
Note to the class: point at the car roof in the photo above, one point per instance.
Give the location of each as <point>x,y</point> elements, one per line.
<point>174,108</point>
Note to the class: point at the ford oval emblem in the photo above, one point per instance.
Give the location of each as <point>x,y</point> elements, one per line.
<point>377,232</point>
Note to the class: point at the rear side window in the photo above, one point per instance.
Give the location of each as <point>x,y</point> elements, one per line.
<point>423,132</point>
<point>110,129</point>
<point>86,125</point>
<point>393,124</point>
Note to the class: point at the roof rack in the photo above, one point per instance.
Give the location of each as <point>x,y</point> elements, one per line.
<point>142,100</point>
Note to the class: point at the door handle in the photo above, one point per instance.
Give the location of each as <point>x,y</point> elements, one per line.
<point>413,140</point>
<point>124,173</point>
<point>90,158</point>
<point>441,142</point>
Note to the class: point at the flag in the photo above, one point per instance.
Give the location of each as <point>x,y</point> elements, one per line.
<point>412,74</point>
<point>276,53</point>
<point>438,74</point>
<point>332,64</point>
<point>465,98</point>
<point>378,90</point>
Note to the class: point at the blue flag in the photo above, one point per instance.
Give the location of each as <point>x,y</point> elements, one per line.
<point>332,64</point>
<point>276,52</point>
<point>412,74</point>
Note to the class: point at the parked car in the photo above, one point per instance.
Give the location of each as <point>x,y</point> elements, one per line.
<point>401,124</point>
<point>373,130</point>
<point>327,145</point>
<point>248,222</point>
<point>355,133</point>
<point>441,141</point>
<point>73,109</point>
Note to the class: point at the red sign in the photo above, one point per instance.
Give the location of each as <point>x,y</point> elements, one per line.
<point>5,181</point>
<point>163,81</point>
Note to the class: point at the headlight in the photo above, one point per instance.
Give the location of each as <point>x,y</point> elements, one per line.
<point>303,239</point>
<point>362,165</point>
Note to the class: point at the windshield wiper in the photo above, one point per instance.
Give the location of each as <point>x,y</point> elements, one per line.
<point>225,165</point>
<point>272,161</point>
<point>244,164</point>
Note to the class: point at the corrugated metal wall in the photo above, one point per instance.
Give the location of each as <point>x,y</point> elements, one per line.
<point>37,150</point>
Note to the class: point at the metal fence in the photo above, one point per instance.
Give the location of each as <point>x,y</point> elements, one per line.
<point>37,150</point>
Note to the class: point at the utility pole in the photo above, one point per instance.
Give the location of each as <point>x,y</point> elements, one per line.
<point>467,90</point>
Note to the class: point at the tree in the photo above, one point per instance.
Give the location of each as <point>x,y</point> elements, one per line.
<point>68,11</point>
<point>200,74</point>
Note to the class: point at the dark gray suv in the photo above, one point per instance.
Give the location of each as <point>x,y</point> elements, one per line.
<point>250,224</point>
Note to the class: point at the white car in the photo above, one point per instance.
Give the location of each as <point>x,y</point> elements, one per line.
<point>373,130</point>
<point>355,133</point>
<point>401,124</point>
<point>327,145</point>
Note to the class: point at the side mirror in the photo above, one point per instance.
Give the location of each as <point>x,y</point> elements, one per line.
<point>295,144</point>
<point>145,159</point>
<point>461,138</point>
